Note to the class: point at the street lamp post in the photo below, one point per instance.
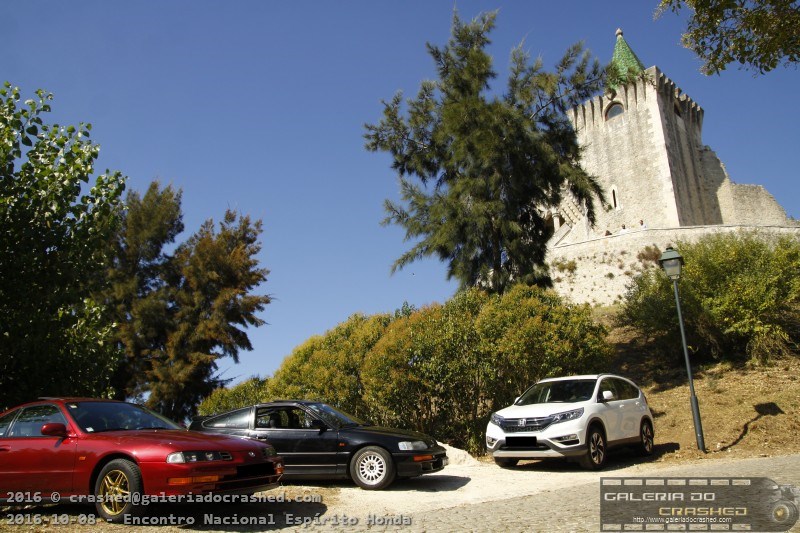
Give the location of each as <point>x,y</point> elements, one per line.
<point>672,263</point>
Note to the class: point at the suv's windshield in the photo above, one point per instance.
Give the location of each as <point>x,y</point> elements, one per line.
<point>562,391</point>
<point>95,417</point>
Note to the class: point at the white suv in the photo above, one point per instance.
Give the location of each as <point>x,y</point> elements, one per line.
<point>578,417</point>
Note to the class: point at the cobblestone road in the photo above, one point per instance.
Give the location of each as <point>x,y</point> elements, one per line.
<point>577,508</point>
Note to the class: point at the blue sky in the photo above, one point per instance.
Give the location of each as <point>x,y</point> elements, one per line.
<point>259,106</point>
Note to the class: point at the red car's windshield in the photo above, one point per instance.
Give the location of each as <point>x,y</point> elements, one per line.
<point>95,417</point>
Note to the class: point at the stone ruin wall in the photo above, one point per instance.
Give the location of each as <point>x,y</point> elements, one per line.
<point>599,270</point>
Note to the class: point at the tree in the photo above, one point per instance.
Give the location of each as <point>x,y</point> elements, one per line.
<point>180,312</point>
<point>210,278</point>
<point>53,235</point>
<point>477,171</point>
<point>138,297</point>
<point>758,34</point>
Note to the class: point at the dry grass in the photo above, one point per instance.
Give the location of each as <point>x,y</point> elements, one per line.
<point>746,410</point>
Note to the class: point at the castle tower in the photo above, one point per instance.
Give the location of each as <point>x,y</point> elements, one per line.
<point>642,140</point>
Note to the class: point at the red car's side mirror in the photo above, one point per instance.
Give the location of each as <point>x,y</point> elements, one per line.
<point>54,429</point>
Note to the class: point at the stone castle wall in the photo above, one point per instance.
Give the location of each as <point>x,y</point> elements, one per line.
<point>598,271</point>
<point>653,166</point>
<point>622,151</point>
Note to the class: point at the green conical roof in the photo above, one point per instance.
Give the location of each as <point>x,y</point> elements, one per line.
<point>625,62</point>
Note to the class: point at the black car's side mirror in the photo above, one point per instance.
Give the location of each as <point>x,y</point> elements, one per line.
<point>319,424</point>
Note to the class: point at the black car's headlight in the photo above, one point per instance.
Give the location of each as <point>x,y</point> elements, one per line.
<point>196,457</point>
<point>567,415</point>
<point>409,445</point>
<point>497,420</point>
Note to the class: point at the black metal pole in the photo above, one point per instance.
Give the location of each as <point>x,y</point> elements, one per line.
<point>698,425</point>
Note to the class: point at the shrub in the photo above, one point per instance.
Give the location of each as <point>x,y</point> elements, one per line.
<point>328,367</point>
<point>444,369</point>
<point>248,392</point>
<point>740,296</point>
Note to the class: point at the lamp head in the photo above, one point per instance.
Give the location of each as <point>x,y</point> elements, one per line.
<point>672,263</point>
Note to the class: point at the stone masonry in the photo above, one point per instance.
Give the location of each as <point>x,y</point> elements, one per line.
<point>642,141</point>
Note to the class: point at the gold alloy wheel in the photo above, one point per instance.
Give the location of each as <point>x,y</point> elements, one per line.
<point>115,492</point>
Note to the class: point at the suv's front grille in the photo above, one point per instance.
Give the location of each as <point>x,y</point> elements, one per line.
<point>514,425</point>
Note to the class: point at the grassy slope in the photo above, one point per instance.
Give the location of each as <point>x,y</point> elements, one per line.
<point>746,410</point>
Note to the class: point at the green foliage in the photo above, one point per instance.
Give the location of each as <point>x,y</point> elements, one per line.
<point>427,372</point>
<point>329,367</point>
<point>139,297</point>
<point>249,392</point>
<point>54,227</point>
<point>444,369</point>
<point>566,266</point>
<point>758,34</point>
<point>179,313</point>
<point>476,169</point>
<point>441,369</point>
<point>740,297</point>
<point>210,278</point>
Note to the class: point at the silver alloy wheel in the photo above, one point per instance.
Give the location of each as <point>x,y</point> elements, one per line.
<point>371,468</point>
<point>647,438</point>
<point>597,448</point>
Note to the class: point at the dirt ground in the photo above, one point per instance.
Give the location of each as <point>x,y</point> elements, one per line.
<point>746,410</point>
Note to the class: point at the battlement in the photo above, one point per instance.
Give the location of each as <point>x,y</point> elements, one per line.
<point>651,84</point>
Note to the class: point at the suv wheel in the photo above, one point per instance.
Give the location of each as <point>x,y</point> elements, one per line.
<point>504,462</point>
<point>646,438</point>
<point>595,456</point>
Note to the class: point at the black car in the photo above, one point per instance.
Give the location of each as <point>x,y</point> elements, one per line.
<point>317,441</point>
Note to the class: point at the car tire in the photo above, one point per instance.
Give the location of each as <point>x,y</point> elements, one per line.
<point>118,486</point>
<point>595,456</point>
<point>505,462</point>
<point>372,468</point>
<point>646,438</point>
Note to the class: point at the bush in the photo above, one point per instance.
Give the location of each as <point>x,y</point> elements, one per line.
<point>328,367</point>
<point>248,392</point>
<point>740,297</point>
<point>444,369</point>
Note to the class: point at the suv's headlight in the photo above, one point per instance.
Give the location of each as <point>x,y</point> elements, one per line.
<point>497,420</point>
<point>567,415</point>
<point>412,445</point>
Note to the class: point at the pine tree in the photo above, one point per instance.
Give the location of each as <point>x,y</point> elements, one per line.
<point>211,276</point>
<point>477,171</point>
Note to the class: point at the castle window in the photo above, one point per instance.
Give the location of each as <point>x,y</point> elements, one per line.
<point>614,198</point>
<point>614,110</point>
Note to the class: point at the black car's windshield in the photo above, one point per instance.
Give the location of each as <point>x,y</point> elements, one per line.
<point>562,391</point>
<point>333,417</point>
<point>96,417</point>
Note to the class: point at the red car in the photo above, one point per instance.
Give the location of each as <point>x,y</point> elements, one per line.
<point>115,454</point>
